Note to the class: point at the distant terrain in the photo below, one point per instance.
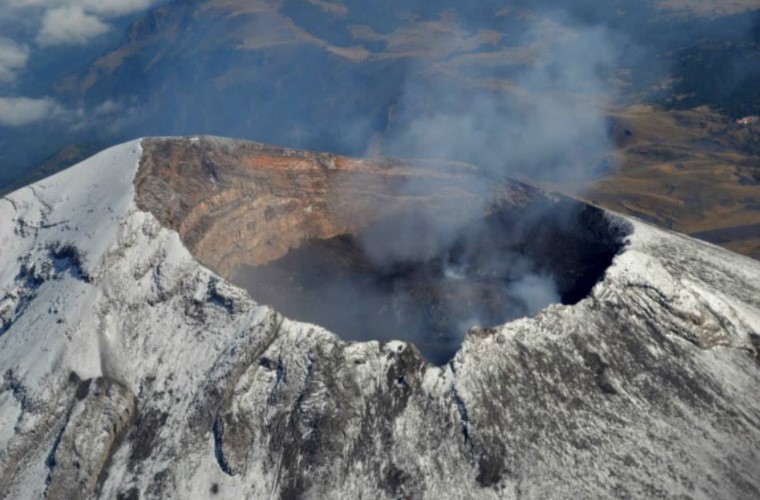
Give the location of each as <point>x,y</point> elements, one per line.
<point>693,171</point>
<point>353,77</point>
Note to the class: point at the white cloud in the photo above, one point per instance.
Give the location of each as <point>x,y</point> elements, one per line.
<point>102,7</point>
<point>13,57</point>
<point>69,26</point>
<point>115,7</point>
<point>20,111</point>
<point>69,22</point>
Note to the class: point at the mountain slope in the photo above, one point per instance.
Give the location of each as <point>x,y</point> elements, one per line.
<point>131,371</point>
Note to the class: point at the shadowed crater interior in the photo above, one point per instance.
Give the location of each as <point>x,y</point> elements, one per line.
<point>403,278</point>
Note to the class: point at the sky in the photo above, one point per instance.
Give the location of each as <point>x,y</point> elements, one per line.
<point>34,29</point>
<point>301,94</point>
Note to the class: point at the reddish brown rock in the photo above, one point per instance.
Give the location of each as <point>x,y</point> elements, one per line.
<point>236,202</point>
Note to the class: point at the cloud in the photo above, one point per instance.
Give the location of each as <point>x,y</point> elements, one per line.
<point>13,57</point>
<point>115,7</point>
<point>549,124</point>
<point>20,111</point>
<point>68,22</point>
<point>69,26</point>
<point>108,117</point>
<point>102,7</point>
<point>553,125</point>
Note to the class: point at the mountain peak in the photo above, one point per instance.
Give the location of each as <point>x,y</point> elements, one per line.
<point>134,371</point>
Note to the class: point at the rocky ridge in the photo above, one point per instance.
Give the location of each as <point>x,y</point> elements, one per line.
<point>131,371</point>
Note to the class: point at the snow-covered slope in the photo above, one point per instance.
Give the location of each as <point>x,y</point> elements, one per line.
<point>130,371</point>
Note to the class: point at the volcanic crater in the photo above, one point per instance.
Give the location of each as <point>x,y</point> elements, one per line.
<point>376,249</point>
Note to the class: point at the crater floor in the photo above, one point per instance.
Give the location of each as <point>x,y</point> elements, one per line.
<point>399,279</point>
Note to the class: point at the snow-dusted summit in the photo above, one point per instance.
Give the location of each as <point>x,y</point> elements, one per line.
<point>131,371</point>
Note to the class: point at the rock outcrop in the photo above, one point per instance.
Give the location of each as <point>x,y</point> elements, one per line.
<point>237,202</point>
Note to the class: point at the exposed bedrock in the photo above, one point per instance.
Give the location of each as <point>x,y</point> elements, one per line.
<point>237,202</point>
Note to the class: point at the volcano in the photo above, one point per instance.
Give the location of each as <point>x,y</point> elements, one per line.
<point>531,346</point>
